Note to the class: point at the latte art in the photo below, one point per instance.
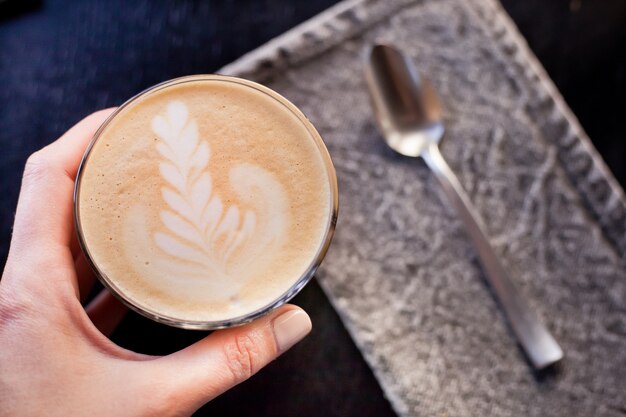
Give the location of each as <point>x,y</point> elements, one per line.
<point>205,201</point>
<point>211,239</point>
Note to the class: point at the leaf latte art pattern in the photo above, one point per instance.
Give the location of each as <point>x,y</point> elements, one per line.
<point>202,234</point>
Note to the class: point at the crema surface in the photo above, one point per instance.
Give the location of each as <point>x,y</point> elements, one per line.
<point>204,200</point>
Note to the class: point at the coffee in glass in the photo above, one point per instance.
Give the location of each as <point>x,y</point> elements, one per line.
<point>206,201</point>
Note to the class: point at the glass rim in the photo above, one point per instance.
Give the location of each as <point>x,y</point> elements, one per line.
<point>298,284</point>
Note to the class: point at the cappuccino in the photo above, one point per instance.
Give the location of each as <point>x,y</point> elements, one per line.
<point>206,201</point>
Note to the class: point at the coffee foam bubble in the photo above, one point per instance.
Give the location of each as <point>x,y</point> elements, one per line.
<point>204,201</point>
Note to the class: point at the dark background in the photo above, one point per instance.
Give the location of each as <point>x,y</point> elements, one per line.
<point>60,60</point>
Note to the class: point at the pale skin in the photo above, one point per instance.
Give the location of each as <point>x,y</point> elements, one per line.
<point>55,356</point>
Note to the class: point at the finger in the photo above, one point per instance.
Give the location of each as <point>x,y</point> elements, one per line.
<point>48,182</point>
<point>225,358</point>
<point>106,312</point>
<point>85,275</point>
<point>43,220</point>
<point>68,150</point>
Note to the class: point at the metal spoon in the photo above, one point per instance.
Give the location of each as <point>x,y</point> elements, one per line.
<point>409,117</point>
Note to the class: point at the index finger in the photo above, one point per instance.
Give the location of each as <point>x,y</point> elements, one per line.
<point>67,151</point>
<point>43,219</point>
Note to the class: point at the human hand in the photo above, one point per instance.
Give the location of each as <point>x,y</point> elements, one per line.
<point>55,358</point>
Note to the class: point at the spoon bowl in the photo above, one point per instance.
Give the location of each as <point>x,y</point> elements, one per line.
<point>405,102</point>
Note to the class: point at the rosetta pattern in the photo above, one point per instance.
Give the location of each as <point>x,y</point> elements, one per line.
<point>199,228</point>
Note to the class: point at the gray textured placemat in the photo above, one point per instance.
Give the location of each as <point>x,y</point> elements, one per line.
<point>401,271</point>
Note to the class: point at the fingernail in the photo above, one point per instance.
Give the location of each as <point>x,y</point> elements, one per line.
<point>290,328</point>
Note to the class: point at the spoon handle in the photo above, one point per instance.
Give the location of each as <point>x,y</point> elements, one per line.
<point>536,340</point>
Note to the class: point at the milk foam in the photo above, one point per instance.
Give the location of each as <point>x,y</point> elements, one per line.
<point>197,212</point>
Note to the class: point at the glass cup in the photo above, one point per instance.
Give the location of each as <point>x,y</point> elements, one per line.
<point>298,284</point>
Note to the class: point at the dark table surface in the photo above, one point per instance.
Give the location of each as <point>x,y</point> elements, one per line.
<point>60,60</point>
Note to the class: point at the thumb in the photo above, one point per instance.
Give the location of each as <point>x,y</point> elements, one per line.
<point>204,370</point>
